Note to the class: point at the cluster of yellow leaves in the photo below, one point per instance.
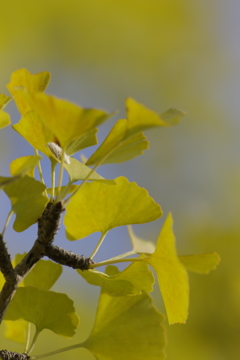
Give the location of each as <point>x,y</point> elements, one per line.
<point>59,129</point>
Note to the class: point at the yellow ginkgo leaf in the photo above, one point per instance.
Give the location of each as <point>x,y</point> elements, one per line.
<point>67,121</point>
<point>172,276</point>
<point>200,263</point>
<point>131,281</point>
<point>117,147</point>
<point>28,201</point>
<point>16,330</point>
<point>24,164</point>
<point>127,327</point>
<point>126,140</point>
<point>141,118</point>
<point>4,100</point>
<point>32,129</point>
<point>22,78</point>
<point>101,207</point>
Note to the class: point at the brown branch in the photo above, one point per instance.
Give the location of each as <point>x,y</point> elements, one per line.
<point>68,258</point>
<point>5,262</point>
<point>9,355</point>
<point>48,225</point>
<point>47,228</point>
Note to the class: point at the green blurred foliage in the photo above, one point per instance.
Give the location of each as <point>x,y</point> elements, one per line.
<point>164,54</point>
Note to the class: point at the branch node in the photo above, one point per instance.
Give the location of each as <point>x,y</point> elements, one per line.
<point>9,355</point>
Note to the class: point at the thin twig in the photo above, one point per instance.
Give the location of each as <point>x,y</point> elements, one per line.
<point>72,347</point>
<point>100,241</point>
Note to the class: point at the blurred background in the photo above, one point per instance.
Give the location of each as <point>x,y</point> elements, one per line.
<point>182,54</point>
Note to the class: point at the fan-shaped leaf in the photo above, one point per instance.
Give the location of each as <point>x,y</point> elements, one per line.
<point>4,100</point>
<point>131,281</point>
<point>117,147</point>
<point>16,330</point>
<point>127,327</point>
<point>126,140</point>
<point>79,171</point>
<point>22,78</point>
<point>67,121</point>
<point>32,129</point>
<point>122,204</point>
<point>200,263</point>
<point>84,141</point>
<point>28,201</point>
<point>24,164</point>
<point>141,118</point>
<point>173,116</point>
<point>45,309</point>
<point>172,276</point>
<point>4,117</point>
<point>43,275</point>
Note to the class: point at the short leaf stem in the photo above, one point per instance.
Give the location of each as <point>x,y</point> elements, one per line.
<point>100,241</point>
<point>34,340</point>
<point>7,221</point>
<point>72,347</point>
<point>53,166</point>
<point>122,256</point>
<point>28,337</point>
<point>40,170</point>
<point>60,174</point>
<point>111,261</point>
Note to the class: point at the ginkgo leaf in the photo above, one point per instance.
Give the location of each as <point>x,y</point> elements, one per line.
<point>44,275</point>
<point>4,100</point>
<point>44,309</point>
<point>122,204</point>
<point>22,78</point>
<point>24,164</point>
<point>84,141</point>
<point>16,330</point>
<point>6,180</point>
<point>4,117</point>
<point>78,171</point>
<point>64,119</point>
<point>117,147</point>
<point>140,246</point>
<point>141,118</point>
<point>32,129</point>
<point>28,201</point>
<point>173,116</point>
<point>172,276</point>
<point>131,281</point>
<point>21,168</point>
<point>200,263</point>
<point>126,140</point>
<point>127,327</point>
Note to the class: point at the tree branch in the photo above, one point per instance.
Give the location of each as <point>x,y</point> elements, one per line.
<point>48,225</point>
<point>9,355</point>
<point>5,262</point>
<point>68,258</point>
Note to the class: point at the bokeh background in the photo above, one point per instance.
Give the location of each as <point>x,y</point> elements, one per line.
<point>173,53</point>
